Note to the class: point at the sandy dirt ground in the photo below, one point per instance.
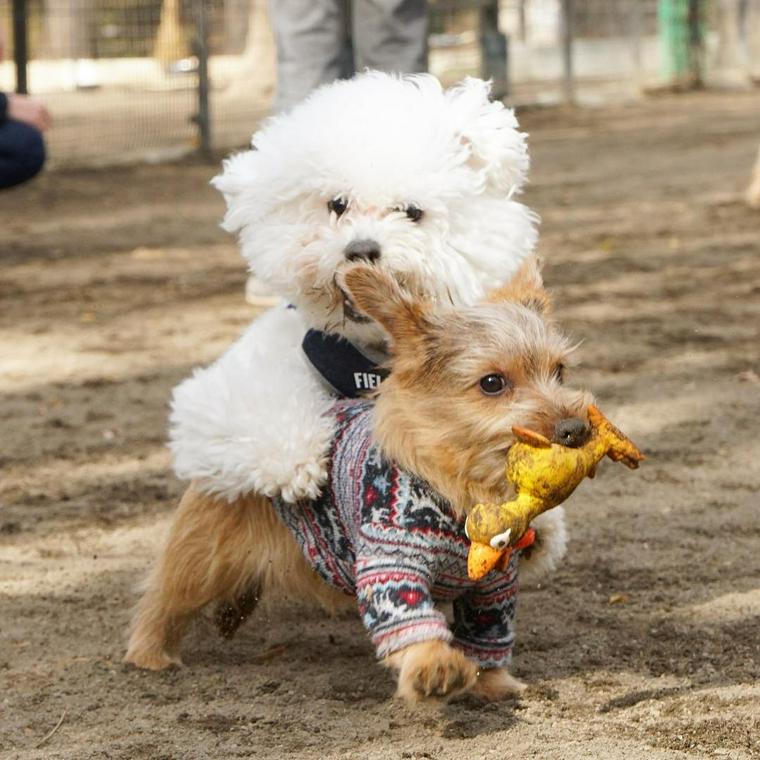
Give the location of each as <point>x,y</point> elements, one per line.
<point>645,644</point>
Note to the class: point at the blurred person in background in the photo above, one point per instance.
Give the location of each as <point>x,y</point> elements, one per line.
<point>22,149</point>
<point>319,41</point>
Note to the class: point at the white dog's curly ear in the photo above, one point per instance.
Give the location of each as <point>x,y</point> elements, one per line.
<point>490,131</point>
<point>239,174</point>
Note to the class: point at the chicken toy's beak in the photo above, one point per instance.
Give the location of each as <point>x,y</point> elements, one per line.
<point>483,558</point>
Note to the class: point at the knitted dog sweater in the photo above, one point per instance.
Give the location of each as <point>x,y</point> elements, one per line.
<point>384,535</point>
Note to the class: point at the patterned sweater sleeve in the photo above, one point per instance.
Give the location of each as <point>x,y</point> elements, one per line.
<point>484,618</point>
<point>395,601</point>
<point>394,566</point>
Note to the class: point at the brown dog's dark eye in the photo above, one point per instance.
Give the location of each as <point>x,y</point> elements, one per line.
<point>337,206</point>
<point>559,373</point>
<point>414,213</point>
<point>494,384</point>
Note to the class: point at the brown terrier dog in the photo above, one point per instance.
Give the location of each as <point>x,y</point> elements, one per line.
<point>434,444</point>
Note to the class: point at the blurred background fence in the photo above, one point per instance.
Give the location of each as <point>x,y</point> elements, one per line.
<point>153,79</point>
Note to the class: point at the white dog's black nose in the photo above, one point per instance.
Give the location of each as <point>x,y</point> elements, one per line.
<point>362,250</point>
<point>572,432</point>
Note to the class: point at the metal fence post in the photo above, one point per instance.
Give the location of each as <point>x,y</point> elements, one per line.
<point>566,26</point>
<point>696,41</point>
<point>20,45</point>
<point>493,49</point>
<point>203,117</point>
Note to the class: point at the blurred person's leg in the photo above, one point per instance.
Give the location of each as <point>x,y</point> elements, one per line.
<point>312,46</point>
<point>22,152</point>
<point>731,50</point>
<point>390,35</point>
<point>752,39</point>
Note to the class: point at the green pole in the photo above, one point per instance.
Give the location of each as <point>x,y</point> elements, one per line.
<point>681,27</point>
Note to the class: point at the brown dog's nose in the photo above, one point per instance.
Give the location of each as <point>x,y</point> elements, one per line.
<point>362,250</point>
<point>571,432</point>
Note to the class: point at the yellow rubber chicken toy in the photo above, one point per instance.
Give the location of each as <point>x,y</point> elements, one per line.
<point>543,474</point>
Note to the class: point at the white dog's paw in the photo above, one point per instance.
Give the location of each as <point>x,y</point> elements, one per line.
<point>307,482</point>
<point>543,558</point>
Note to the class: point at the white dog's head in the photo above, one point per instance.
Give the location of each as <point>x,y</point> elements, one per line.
<point>390,169</point>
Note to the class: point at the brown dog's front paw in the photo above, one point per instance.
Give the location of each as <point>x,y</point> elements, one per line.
<point>497,683</point>
<point>151,659</point>
<point>432,669</point>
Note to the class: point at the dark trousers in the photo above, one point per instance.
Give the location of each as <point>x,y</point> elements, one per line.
<point>22,152</point>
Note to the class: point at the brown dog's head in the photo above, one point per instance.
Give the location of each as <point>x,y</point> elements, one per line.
<point>463,377</point>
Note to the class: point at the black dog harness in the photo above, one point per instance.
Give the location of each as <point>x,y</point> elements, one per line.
<point>341,364</point>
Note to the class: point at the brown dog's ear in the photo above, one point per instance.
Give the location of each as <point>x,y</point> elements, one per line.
<point>526,288</point>
<point>379,296</point>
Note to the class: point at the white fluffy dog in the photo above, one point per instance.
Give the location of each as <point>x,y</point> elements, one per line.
<point>395,170</point>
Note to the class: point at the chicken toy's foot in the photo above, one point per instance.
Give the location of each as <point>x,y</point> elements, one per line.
<point>631,461</point>
<point>620,447</point>
<point>531,437</point>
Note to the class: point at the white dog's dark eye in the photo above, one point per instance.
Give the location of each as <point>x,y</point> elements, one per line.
<point>494,384</point>
<point>414,213</point>
<point>559,373</point>
<point>337,206</point>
